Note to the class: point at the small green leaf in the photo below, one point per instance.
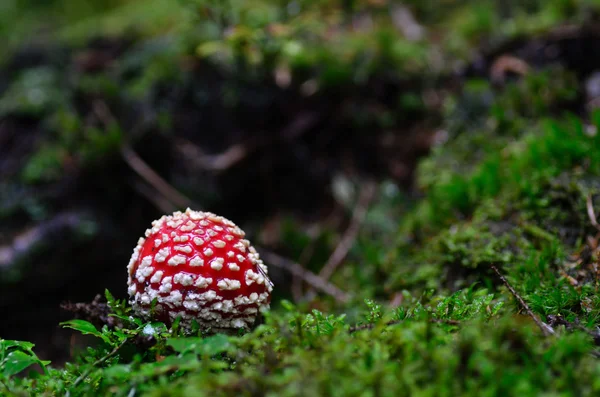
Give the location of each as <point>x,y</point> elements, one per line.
<point>287,305</point>
<point>17,361</point>
<point>127,319</point>
<point>215,345</point>
<point>209,48</point>
<point>109,297</point>
<point>85,328</point>
<point>6,344</point>
<point>208,346</point>
<point>14,358</point>
<point>118,372</point>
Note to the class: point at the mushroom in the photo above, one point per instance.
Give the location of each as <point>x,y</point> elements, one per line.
<point>198,266</point>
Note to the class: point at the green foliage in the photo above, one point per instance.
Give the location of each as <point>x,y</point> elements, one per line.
<point>508,188</point>
<point>73,142</point>
<point>22,21</point>
<point>519,173</point>
<point>17,356</point>
<point>453,345</point>
<point>536,95</point>
<point>45,165</point>
<point>33,92</point>
<point>86,328</point>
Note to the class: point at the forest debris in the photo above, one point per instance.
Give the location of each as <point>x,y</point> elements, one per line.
<point>556,320</point>
<point>366,195</point>
<point>591,212</point>
<point>404,20</point>
<point>333,221</point>
<point>96,312</point>
<point>238,152</point>
<point>312,279</point>
<point>27,240</point>
<point>214,162</point>
<point>154,179</point>
<point>159,201</point>
<point>97,363</point>
<point>545,328</point>
<point>142,168</point>
<point>507,63</point>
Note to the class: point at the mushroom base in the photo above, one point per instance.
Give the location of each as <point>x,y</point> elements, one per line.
<point>206,318</point>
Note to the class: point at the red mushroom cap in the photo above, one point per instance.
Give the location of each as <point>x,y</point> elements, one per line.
<point>198,265</point>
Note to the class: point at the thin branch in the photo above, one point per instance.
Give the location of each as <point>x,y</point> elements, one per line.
<point>140,166</point>
<point>405,21</point>
<point>96,312</point>
<point>508,63</point>
<point>158,200</point>
<point>162,203</point>
<point>161,185</point>
<point>590,212</point>
<point>98,362</point>
<point>312,279</point>
<point>305,255</point>
<point>546,329</point>
<point>334,219</point>
<point>236,153</point>
<point>215,162</point>
<point>296,288</point>
<point>555,320</point>
<point>28,240</point>
<point>366,194</point>
<point>6,387</point>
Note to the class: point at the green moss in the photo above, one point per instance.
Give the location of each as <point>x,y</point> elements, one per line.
<point>45,165</point>
<point>84,145</point>
<point>519,173</point>
<point>422,350</point>
<point>511,205</point>
<point>457,330</point>
<point>33,92</point>
<point>508,188</point>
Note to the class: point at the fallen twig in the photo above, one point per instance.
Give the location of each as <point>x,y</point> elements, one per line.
<point>98,362</point>
<point>240,151</point>
<point>405,21</point>
<point>162,203</point>
<point>591,213</point>
<point>546,329</point>
<point>334,219</point>
<point>555,320</point>
<point>146,172</point>
<point>141,167</point>
<point>215,162</point>
<point>359,213</point>
<point>366,194</point>
<point>27,240</point>
<point>6,387</point>
<point>508,63</point>
<point>312,279</point>
<point>96,312</point>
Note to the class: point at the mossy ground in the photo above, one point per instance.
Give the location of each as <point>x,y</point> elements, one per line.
<point>513,187</point>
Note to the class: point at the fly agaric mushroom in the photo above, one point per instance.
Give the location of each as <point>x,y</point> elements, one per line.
<point>198,265</point>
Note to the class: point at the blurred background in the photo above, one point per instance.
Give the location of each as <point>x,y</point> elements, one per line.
<point>305,122</point>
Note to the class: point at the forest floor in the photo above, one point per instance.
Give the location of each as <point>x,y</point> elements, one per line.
<point>422,180</point>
